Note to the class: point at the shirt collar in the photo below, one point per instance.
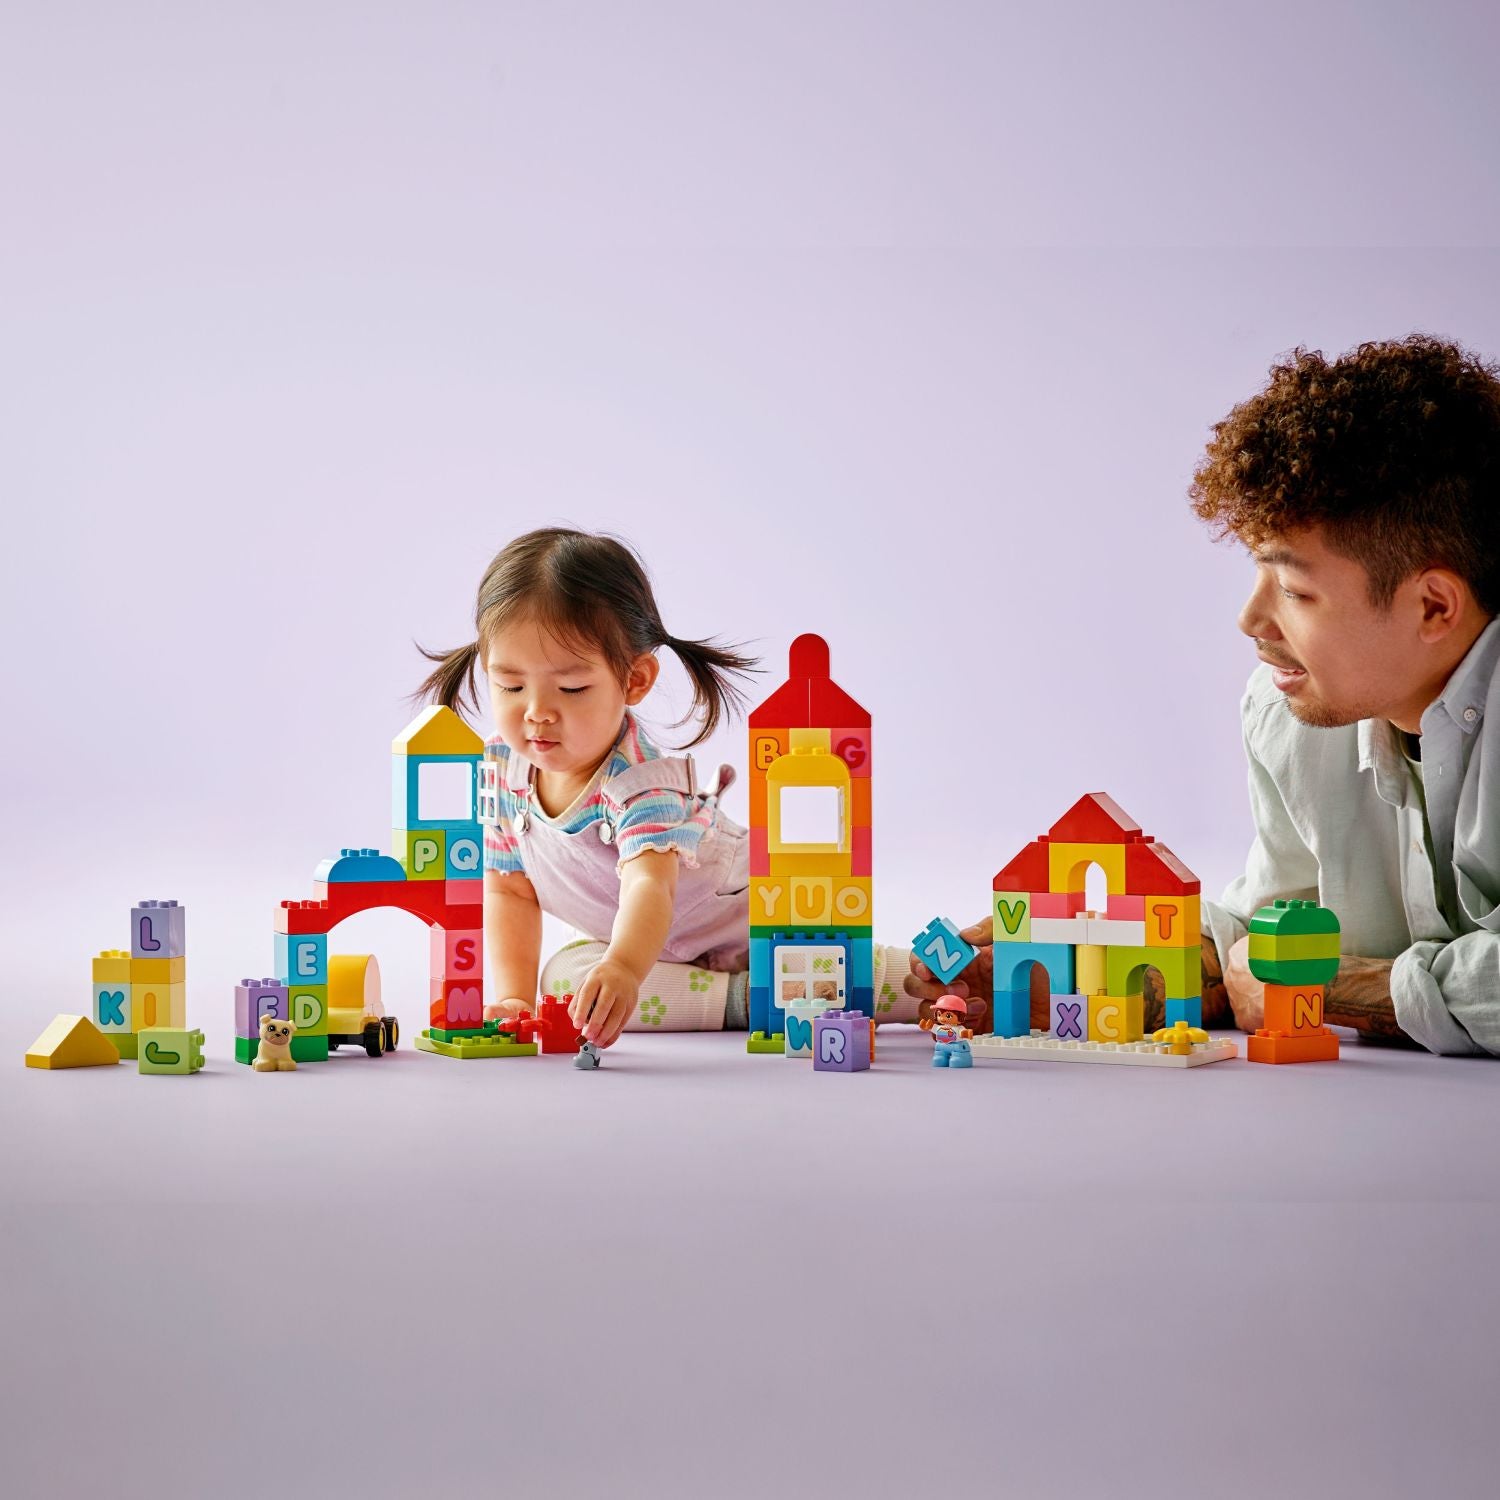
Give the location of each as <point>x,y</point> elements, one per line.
<point>1461,703</point>
<point>1464,694</point>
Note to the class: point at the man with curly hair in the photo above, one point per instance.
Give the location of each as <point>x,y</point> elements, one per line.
<point>1367,491</point>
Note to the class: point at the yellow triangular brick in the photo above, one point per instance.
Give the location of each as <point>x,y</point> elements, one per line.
<point>437,731</point>
<point>72,1042</point>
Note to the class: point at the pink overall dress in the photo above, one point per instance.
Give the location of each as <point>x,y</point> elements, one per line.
<point>576,878</point>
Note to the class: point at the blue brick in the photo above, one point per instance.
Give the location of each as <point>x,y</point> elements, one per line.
<point>302,958</point>
<point>1013,963</point>
<point>357,865</point>
<point>1012,1014</point>
<point>939,946</point>
<point>1190,1011</point>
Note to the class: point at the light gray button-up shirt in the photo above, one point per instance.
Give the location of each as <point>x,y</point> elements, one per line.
<point>1340,819</point>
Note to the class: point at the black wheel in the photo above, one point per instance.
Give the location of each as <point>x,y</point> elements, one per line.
<point>374,1038</point>
<point>333,1043</point>
<point>392,1032</point>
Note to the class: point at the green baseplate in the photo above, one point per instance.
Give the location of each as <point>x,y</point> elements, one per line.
<point>477,1047</point>
<point>487,1043</point>
<point>484,1041</point>
<point>304,1048</point>
<point>761,1042</point>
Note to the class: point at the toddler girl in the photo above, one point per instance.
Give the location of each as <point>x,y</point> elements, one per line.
<point>595,825</point>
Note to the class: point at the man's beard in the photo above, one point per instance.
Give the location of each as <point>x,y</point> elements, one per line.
<point>1323,716</point>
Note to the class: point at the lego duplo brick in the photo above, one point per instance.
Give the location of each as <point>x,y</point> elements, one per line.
<point>1038,1047</point>
<point>171,1050</point>
<point>1012,913</point>
<point>308,1005</point>
<point>1173,921</point>
<point>940,946</point>
<point>422,853</point>
<point>456,955</point>
<point>1116,1018</point>
<point>254,998</point>
<point>1095,818</point>
<point>1295,1047</point>
<point>1293,1007</point>
<point>1068,1017</point>
<point>1068,865</point>
<point>158,929</point>
<point>71,1042</point>
<point>1013,963</point>
<point>1294,942</point>
<point>301,958</point>
<point>842,1042</point>
<point>456,1005</point>
<point>112,966</point>
<point>1189,1011</point>
<point>798,1016</point>
<point>111,1007</point>
<point>363,866</point>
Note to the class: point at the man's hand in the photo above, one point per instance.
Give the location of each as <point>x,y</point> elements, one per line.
<point>605,1001</point>
<point>974,982</point>
<point>1247,995</point>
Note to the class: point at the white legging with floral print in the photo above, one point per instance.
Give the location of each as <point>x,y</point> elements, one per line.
<point>682,997</point>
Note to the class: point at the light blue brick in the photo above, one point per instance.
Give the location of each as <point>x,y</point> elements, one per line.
<point>1013,963</point>
<point>939,946</point>
<point>302,958</point>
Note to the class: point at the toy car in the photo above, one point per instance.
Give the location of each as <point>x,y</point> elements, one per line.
<point>354,1017</point>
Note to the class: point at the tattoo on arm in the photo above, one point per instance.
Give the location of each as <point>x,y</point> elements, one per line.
<point>1360,996</point>
<point>1217,1011</point>
<point>1153,1001</point>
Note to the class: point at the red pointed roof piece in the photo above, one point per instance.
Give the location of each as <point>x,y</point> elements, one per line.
<point>1028,871</point>
<point>1094,818</point>
<point>1153,870</point>
<point>809,698</point>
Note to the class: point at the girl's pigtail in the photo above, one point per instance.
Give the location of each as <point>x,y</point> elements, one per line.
<point>452,680</point>
<point>715,693</point>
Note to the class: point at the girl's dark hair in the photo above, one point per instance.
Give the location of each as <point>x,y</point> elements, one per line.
<point>1393,449</point>
<point>586,590</point>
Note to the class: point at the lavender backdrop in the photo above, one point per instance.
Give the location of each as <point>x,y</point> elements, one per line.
<point>899,323</point>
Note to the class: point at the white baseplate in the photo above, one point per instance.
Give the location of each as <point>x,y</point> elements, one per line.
<point>1040,1047</point>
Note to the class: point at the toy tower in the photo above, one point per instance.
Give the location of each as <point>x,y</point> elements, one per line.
<point>147,986</point>
<point>1294,952</point>
<point>1096,961</point>
<point>810,933</point>
<point>448,845</point>
<point>436,874</point>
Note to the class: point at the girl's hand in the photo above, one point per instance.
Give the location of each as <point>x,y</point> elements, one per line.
<point>605,1001</point>
<point>975,982</point>
<point>1247,994</point>
<point>505,1010</point>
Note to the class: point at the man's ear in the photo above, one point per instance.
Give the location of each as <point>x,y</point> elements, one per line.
<point>1446,601</point>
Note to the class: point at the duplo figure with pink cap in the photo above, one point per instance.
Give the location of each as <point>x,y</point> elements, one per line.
<point>949,1034</point>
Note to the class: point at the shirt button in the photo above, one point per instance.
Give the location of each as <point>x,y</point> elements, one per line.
<point>1470,714</point>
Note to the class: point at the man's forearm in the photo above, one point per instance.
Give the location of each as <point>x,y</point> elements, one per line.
<point>1360,996</point>
<point>1216,1011</point>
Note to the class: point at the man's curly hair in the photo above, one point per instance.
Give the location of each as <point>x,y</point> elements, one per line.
<point>1393,450</point>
